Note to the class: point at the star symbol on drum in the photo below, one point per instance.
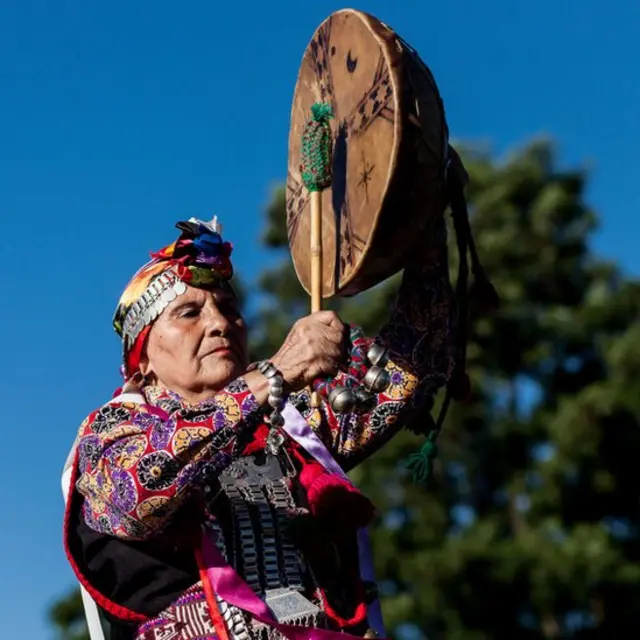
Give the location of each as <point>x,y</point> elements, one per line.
<point>365,176</point>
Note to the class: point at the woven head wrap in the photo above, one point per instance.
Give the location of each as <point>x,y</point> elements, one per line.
<point>199,258</point>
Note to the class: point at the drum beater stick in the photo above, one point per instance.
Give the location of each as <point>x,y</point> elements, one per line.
<point>315,168</point>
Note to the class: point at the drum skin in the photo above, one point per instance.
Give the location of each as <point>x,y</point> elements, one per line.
<point>390,153</point>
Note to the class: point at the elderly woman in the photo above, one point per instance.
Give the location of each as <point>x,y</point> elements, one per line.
<point>209,497</point>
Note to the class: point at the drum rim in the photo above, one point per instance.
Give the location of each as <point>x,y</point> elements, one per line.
<point>370,22</point>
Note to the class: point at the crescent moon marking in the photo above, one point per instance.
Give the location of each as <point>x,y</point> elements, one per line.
<point>352,63</point>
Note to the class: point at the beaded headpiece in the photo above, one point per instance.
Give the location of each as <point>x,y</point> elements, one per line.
<point>199,258</point>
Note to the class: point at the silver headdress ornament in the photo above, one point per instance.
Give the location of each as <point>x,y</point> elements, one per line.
<point>165,287</point>
<point>162,291</point>
<point>213,225</point>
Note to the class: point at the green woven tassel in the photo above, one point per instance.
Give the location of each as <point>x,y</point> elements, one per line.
<point>421,463</point>
<point>315,164</point>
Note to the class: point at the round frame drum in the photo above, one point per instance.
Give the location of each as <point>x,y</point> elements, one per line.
<point>390,153</point>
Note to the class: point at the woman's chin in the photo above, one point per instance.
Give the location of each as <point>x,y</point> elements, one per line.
<point>225,369</point>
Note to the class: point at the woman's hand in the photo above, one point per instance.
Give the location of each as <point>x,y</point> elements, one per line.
<point>315,347</point>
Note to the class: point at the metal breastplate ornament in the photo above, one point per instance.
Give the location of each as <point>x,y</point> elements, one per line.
<point>259,547</point>
<point>258,543</point>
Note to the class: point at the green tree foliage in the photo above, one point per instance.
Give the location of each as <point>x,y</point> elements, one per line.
<point>530,528</point>
<point>67,617</point>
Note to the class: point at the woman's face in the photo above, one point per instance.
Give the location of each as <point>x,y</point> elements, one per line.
<point>198,345</point>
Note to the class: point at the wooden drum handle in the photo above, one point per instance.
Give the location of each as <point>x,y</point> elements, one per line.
<point>316,264</point>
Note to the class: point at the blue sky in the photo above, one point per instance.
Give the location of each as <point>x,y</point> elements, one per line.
<point>118,118</point>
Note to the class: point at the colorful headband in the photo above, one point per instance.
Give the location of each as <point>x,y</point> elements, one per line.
<point>199,257</point>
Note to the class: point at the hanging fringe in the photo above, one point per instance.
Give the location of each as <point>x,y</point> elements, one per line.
<point>481,296</point>
<point>421,463</point>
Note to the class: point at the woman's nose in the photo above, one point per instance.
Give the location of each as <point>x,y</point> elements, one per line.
<point>217,322</point>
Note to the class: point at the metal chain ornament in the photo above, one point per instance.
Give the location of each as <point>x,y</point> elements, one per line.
<point>276,401</point>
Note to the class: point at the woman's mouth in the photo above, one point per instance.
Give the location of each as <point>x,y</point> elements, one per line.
<point>223,352</point>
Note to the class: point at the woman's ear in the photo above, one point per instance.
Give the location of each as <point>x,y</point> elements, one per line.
<point>145,366</point>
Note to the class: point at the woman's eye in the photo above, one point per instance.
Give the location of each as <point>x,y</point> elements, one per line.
<point>229,309</point>
<point>190,312</point>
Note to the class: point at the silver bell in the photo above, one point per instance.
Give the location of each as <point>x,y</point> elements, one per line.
<point>364,398</point>
<point>377,379</point>
<point>342,400</point>
<point>377,355</point>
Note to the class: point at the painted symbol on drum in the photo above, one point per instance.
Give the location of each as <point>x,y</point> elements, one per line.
<point>297,199</point>
<point>375,103</point>
<point>365,176</point>
<point>352,63</point>
<point>321,53</point>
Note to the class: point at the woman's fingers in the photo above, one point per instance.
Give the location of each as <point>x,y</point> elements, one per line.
<point>315,347</point>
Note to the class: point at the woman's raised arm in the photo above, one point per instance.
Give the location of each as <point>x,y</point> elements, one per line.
<point>421,351</point>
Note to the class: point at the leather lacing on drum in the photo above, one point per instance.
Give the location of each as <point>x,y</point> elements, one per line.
<point>482,296</point>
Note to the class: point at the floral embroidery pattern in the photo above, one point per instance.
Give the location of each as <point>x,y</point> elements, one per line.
<point>125,494</point>
<point>157,470</point>
<point>107,417</point>
<point>130,457</point>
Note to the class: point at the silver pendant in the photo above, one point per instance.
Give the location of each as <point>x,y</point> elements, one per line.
<point>288,605</point>
<point>274,441</point>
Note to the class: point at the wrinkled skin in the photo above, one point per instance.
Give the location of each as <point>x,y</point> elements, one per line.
<point>199,345</point>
